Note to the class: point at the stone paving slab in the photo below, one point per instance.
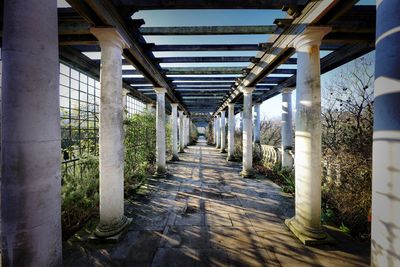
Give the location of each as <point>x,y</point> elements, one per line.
<point>205,214</point>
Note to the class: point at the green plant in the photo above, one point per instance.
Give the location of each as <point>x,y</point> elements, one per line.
<point>80,193</point>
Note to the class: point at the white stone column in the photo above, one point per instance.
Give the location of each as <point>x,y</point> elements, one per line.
<point>30,171</point>
<point>218,133</point>
<point>111,134</point>
<point>215,130</point>
<point>385,237</point>
<point>257,123</point>
<point>160,135</point>
<point>231,131</point>
<point>174,131</point>
<point>247,132</point>
<point>306,224</point>
<point>287,129</point>
<point>241,121</point>
<point>124,102</point>
<point>223,133</point>
<point>186,130</point>
<point>181,133</point>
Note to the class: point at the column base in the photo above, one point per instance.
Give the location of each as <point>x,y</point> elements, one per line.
<point>160,174</point>
<point>181,150</point>
<point>308,236</point>
<point>174,158</point>
<point>218,147</point>
<point>230,158</point>
<point>109,232</point>
<point>222,150</point>
<point>247,174</point>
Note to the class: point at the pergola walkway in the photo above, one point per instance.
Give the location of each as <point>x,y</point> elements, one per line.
<point>205,214</point>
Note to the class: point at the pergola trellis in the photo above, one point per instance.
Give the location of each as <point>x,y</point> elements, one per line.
<point>30,220</point>
<point>352,35</point>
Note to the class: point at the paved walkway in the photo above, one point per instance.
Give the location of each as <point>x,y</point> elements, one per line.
<point>206,215</point>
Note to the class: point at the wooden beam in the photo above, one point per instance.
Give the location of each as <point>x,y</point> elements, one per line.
<point>77,60</point>
<point>207,4</point>
<point>208,30</point>
<point>282,49</point>
<point>201,59</point>
<point>211,47</point>
<point>135,54</point>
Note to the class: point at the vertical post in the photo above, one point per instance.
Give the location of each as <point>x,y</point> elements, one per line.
<point>30,178</point>
<point>218,133</point>
<point>181,133</point>
<point>223,133</point>
<point>188,130</point>
<point>241,121</point>
<point>125,102</point>
<point>111,141</point>
<point>231,131</point>
<point>160,135</point>
<point>215,130</point>
<point>287,129</point>
<point>185,130</point>
<point>385,237</point>
<point>174,132</point>
<point>257,122</point>
<point>306,224</point>
<point>247,132</point>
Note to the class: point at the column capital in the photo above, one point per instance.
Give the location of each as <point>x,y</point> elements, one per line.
<point>174,105</point>
<point>288,90</point>
<point>109,35</point>
<point>160,90</point>
<point>312,35</point>
<point>231,104</point>
<point>247,90</point>
<point>222,113</point>
<point>257,104</point>
<point>180,112</point>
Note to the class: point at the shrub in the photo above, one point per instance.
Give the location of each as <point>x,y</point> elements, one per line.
<point>80,194</point>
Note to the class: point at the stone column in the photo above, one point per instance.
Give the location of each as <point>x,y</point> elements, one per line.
<point>287,129</point>
<point>247,132</point>
<point>215,130</point>
<point>185,130</point>
<point>181,133</point>
<point>306,224</point>
<point>160,135</point>
<point>223,133</point>
<point>218,133</point>
<point>386,138</point>
<point>257,123</point>
<point>241,121</point>
<point>174,137</point>
<point>30,173</point>
<point>125,102</point>
<point>231,131</point>
<point>111,134</point>
<point>188,130</point>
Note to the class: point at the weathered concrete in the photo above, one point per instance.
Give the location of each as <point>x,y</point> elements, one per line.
<point>160,126</point>
<point>306,225</point>
<point>30,178</point>
<point>181,132</point>
<point>386,138</point>
<point>218,133</point>
<point>247,132</point>
<point>111,134</point>
<point>205,214</point>
<point>223,132</point>
<point>257,123</point>
<point>174,132</point>
<point>231,131</point>
<point>287,129</point>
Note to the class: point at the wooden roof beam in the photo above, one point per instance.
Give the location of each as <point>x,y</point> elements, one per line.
<point>208,30</point>
<point>207,4</point>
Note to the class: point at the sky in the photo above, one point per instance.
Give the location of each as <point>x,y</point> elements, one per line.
<point>163,18</point>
